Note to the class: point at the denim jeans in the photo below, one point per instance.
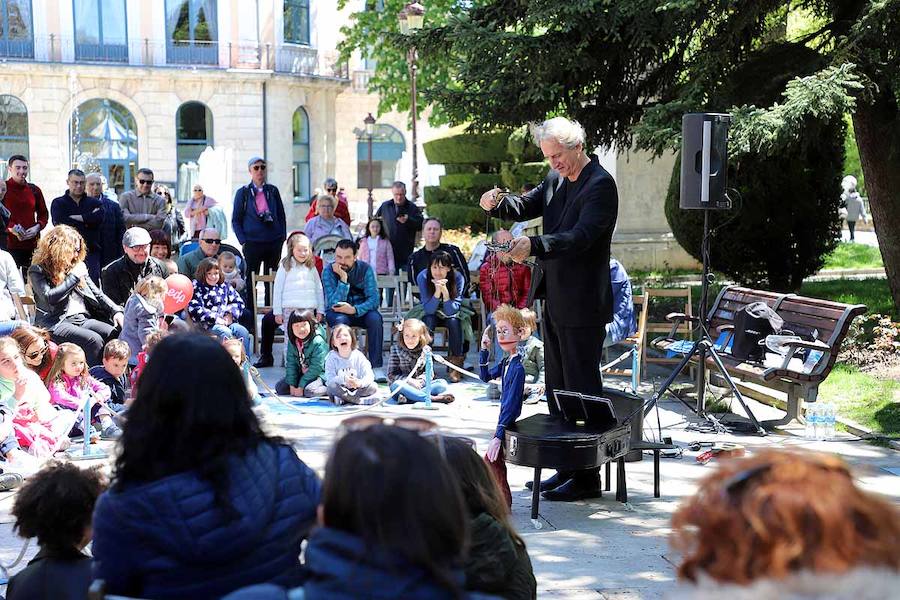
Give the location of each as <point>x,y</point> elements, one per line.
<point>414,394</point>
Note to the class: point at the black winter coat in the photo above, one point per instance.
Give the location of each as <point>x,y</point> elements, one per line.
<point>51,303</point>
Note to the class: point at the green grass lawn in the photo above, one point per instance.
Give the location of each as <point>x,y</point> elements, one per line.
<point>853,256</point>
<point>871,402</point>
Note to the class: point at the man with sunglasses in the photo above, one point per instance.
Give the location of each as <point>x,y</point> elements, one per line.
<point>342,209</point>
<point>258,220</point>
<point>141,206</point>
<point>210,245</point>
<point>121,275</point>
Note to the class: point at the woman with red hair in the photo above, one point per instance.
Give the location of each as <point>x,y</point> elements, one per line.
<point>784,525</point>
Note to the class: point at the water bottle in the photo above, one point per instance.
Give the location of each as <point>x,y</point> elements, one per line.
<point>812,358</point>
<point>811,418</point>
<point>830,420</point>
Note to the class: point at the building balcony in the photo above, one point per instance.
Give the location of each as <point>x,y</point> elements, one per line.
<point>289,59</point>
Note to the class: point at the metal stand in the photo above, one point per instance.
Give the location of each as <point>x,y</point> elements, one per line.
<point>86,452</point>
<point>703,347</point>
<point>429,375</point>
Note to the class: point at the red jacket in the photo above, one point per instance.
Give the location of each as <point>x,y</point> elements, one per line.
<point>342,211</point>
<point>509,285</point>
<point>27,208</point>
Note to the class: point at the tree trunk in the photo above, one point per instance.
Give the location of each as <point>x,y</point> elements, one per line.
<point>877,128</point>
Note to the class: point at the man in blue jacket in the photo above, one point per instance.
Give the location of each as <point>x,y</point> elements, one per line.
<point>77,209</point>
<point>352,298</point>
<point>258,220</point>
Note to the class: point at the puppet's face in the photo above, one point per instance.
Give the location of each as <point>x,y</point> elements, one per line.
<point>507,336</point>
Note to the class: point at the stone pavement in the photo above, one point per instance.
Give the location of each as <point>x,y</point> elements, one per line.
<point>599,549</point>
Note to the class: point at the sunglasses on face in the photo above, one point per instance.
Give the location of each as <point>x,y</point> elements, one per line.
<point>145,181</point>
<point>332,190</point>
<point>259,167</point>
<point>211,241</point>
<point>37,353</point>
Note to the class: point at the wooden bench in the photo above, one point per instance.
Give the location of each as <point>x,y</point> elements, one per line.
<point>830,320</point>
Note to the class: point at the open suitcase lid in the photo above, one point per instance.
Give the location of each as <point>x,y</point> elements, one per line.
<point>593,411</point>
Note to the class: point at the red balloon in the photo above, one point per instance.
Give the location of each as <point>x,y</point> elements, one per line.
<point>180,292</point>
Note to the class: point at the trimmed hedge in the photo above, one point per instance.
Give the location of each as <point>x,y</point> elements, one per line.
<point>467,148</point>
<point>455,216</point>
<point>454,169</point>
<point>463,181</point>
<point>435,195</point>
<point>516,175</point>
<point>521,147</point>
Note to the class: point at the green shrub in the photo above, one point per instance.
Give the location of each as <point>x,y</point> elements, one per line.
<point>467,148</point>
<point>439,195</point>
<point>516,175</point>
<point>521,147</point>
<point>455,216</point>
<point>453,169</point>
<point>470,181</point>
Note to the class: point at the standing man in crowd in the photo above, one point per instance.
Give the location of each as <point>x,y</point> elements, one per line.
<point>83,212</point>
<point>113,226</point>
<point>579,203</point>
<point>352,298</point>
<point>140,206</point>
<point>28,212</point>
<point>258,221</point>
<point>421,258</point>
<point>120,276</point>
<point>402,220</point>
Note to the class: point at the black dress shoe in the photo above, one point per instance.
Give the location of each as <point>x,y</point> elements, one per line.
<point>265,360</point>
<point>552,482</point>
<point>572,491</point>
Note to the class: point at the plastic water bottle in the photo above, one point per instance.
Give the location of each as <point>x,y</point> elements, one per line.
<point>812,358</point>
<point>830,421</point>
<point>811,420</point>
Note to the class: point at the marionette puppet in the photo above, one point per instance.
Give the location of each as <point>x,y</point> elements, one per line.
<point>510,327</point>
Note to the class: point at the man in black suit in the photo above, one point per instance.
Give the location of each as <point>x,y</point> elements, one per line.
<point>579,203</point>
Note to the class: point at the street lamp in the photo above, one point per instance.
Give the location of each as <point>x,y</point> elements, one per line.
<point>370,132</point>
<point>412,18</point>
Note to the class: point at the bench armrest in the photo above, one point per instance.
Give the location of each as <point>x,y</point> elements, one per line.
<point>677,319</point>
<point>724,328</point>
<point>795,345</point>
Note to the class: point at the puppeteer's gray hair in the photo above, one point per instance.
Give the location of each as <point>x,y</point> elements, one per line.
<point>566,132</point>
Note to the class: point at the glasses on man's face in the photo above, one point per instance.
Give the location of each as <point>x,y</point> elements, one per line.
<point>331,190</point>
<point>211,240</point>
<point>198,190</point>
<point>145,181</point>
<point>259,167</point>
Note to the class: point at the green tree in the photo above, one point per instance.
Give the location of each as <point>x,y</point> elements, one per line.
<point>628,70</point>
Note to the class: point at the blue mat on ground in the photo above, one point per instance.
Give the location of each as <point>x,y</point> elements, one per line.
<point>312,405</point>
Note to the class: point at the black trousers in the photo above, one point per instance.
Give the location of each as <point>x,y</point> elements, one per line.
<point>256,254</point>
<point>572,363</point>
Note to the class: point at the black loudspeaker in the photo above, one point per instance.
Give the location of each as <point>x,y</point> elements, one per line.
<point>704,161</point>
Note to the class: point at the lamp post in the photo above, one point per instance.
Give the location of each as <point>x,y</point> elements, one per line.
<point>370,132</point>
<point>412,18</point>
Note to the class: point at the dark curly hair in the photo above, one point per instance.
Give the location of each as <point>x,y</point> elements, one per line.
<point>56,505</point>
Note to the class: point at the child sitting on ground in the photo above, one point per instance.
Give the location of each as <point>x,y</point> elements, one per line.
<point>532,358</point>
<point>143,314</point>
<point>348,373</point>
<point>71,385</point>
<point>305,354</point>
<point>406,358</point>
<point>39,428</point>
<point>56,506</point>
<point>144,356</point>
<point>235,348</point>
<point>510,329</point>
<point>112,373</point>
<point>228,264</point>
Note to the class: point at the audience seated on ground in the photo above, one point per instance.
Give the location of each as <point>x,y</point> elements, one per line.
<point>393,523</point>
<point>306,349</point>
<point>112,372</point>
<point>66,300</point>
<point>786,525</point>
<point>119,277</point>
<point>442,290</point>
<point>348,374</point>
<point>532,358</point>
<point>144,357</point>
<point>55,506</point>
<point>215,305</point>
<point>406,366</point>
<point>497,561</point>
<point>38,350</point>
<point>298,286</point>
<point>71,387</point>
<point>235,349</point>
<point>202,501</point>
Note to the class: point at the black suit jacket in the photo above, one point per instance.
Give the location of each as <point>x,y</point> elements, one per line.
<point>572,271</point>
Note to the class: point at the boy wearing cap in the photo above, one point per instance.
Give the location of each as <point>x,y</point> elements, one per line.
<point>120,276</point>
<point>258,219</point>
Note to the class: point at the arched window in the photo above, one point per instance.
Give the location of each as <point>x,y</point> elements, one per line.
<point>101,33</point>
<point>194,134</point>
<point>301,156</point>
<point>16,29</point>
<point>296,21</point>
<point>104,138</point>
<point>387,148</point>
<point>13,130</point>
<point>192,32</point>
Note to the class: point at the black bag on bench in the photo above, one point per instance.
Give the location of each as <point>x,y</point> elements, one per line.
<point>753,323</point>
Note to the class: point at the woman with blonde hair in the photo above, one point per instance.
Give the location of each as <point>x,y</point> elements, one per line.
<point>66,300</point>
<point>782,525</point>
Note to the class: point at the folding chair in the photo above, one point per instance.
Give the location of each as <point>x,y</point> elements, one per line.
<point>635,343</point>
<point>260,309</point>
<point>664,326</point>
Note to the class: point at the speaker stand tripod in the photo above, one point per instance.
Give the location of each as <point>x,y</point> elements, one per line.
<point>704,347</point>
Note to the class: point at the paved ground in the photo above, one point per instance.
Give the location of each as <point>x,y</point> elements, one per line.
<point>599,549</point>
